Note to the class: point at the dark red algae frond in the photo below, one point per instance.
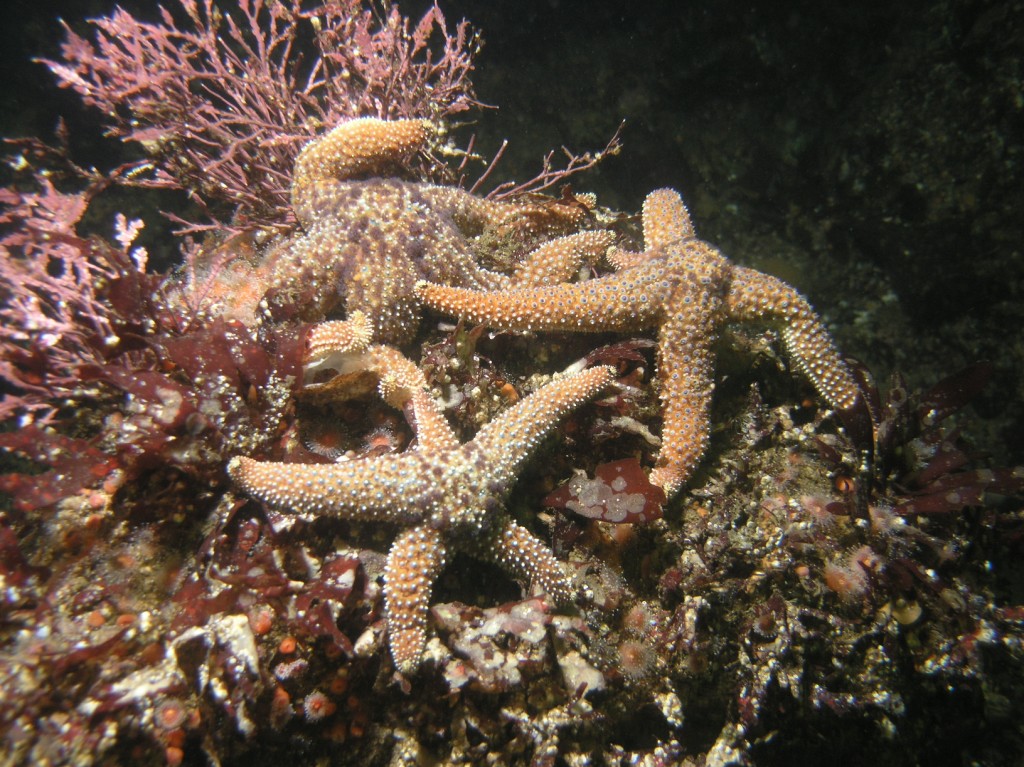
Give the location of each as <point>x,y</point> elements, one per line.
<point>72,464</point>
<point>925,466</point>
<point>619,492</point>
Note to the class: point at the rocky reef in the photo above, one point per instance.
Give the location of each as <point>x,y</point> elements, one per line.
<point>390,469</point>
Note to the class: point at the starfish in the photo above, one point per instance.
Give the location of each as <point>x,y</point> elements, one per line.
<point>366,238</point>
<point>445,494</point>
<point>687,289</point>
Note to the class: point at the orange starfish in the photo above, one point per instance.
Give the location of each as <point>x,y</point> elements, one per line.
<point>687,289</point>
<point>367,238</point>
<point>447,494</point>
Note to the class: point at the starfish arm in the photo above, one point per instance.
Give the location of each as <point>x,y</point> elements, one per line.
<point>338,348</point>
<point>521,217</point>
<point>340,337</point>
<point>440,221</point>
<point>665,219</point>
<point>623,301</point>
<point>555,261</point>
<point>381,286</point>
<point>666,222</point>
<point>685,373</point>
<point>471,214</point>
<point>353,148</point>
<point>342,347</point>
<point>560,259</point>
<point>625,259</point>
<point>415,559</point>
<point>390,488</point>
<point>525,556</point>
<point>511,437</point>
<point>756,296</point>
<point>403,386</point>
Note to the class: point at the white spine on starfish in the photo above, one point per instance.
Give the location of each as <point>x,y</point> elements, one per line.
<point>365,489</point>
<point>415,559</point>
<point>756,296</point>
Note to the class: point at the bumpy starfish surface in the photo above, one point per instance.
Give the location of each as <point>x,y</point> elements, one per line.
<point>446,494</point>
<point>366,239</point>
<point>687,289</point>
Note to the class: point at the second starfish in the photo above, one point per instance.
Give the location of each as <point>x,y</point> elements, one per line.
<point>446,495</point>
<point>687,289</point>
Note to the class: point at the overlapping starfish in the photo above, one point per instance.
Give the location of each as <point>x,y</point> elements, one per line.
<point>375,240</point>
<point>687,289</point>
<point>367,236</point>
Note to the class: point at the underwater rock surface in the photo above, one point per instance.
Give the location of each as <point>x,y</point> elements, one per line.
<point>821,587</point>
